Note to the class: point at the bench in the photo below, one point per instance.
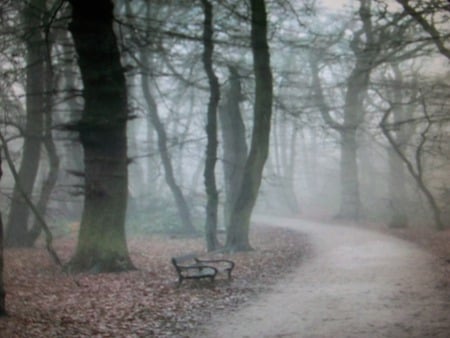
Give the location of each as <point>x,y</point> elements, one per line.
<point>192,267</point>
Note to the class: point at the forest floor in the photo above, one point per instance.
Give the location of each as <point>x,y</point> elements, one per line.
<point>42,301</point>
<point>357,282</point>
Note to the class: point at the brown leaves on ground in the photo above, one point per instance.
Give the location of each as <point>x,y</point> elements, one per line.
<point>44,302</point>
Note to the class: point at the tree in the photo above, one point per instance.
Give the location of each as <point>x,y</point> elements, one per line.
<point>211,131</point>
<point>238,230</point>
<point>400,136</point>
<point>416,165</point>
<point>365,50</point>
<point>101,243</point>
<point>17,224</point>
<point>180,200</point>
<point>233,141</point>
<point>377,41</point>
<point>2,286</point>
<point>428,15</point>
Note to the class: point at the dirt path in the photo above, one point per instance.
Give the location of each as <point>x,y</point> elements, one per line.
<point>357,284</point>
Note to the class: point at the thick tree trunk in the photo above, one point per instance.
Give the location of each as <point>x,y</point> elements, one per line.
<point>397,190</point>
<point>238,231</point>
<point>17,225</point>
<point>211,132</point>
<point>354,112</point>
<point>397,177</point>
<point>350,201</point>
<point>234,143</point>
<point>101,243</point>
<point>366,51</point>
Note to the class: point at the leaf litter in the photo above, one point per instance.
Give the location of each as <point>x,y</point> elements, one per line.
<point>42,301</point>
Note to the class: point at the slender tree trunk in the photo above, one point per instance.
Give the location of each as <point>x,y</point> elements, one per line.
<point>182,206</point>
<point>417,170</point>
<point>155,124</point>
<point>211,131</point>
<point>49,145</point>
<point>2,285</point>
<point>17,225</point>
<point>238,231</point>
<point>48,186</point>
<point>234,142</point>
<point>101,243</point>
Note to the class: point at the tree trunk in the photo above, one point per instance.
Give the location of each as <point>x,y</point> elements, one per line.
<point>101,243</point>
<point>350,201</point>
<point>182,206</point>
<point>2,285</point>
<point>17,225</point>
<point>397,177</point>
<point>417,170</point>
<point>211,132</point>
<point>49,144</point>
<point>366,51</point>
<point>238,231</point>
<point>48,186</point>
<point>72,153</point>
<point>397,190</point>
<point>234,142</point>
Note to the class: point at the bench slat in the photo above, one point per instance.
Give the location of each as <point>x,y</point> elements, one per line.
<point>191,267</point>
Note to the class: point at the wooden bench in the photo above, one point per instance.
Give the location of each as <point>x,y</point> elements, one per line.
<point>192,267</point>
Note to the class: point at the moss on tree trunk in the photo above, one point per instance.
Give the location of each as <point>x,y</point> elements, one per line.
<point>101,243</point>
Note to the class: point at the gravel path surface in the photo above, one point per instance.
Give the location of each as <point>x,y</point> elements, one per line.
<point>357,283</point>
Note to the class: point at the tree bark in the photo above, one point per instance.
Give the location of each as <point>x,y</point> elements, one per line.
<point>17,225</point>
<point>101,243</point>
<point>234,142</point>
<point>2,285</point>
<point>211,131</point>
<point>238,231</point>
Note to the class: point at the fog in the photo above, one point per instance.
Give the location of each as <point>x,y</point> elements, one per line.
<point>278,134</point>
<point>345,87</point>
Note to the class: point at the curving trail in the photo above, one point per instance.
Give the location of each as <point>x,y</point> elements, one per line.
<point>358,283</point>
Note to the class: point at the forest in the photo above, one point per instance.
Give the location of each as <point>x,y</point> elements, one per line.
<point>128,119</point>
